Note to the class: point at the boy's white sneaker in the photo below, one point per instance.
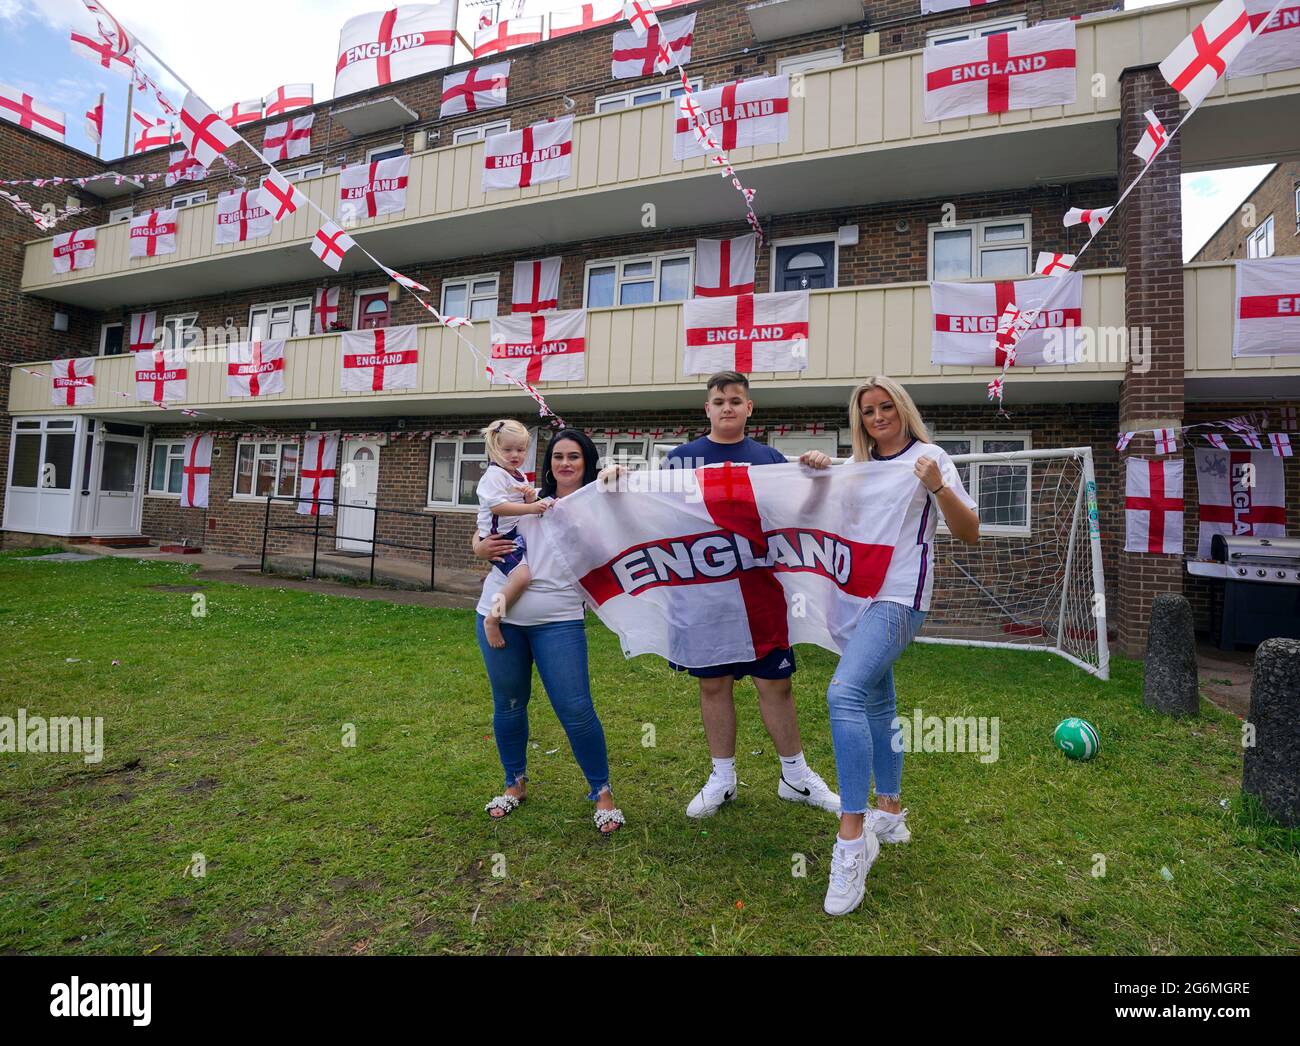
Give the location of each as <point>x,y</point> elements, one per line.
<point>814,791</point>
<point>889,828</point>
<point>709,799</point>
<point>848,881</point>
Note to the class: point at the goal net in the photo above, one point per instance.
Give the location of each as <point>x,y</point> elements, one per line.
<point>1034,581</point>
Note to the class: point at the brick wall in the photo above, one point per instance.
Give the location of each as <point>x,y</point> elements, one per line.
<point>1275,196</point>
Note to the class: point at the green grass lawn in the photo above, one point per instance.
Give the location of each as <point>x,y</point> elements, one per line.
<point>223,737</point>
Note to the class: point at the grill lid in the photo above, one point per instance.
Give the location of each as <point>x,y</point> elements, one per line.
<point>1245,549</point>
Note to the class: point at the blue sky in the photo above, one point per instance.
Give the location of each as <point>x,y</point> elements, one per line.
<point>236,50</point>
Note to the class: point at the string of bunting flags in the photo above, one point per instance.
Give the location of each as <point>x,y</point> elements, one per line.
<point>1249,428</point>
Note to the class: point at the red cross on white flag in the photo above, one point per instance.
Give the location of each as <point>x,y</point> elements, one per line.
<point>378,360</point>
<point>640,14</point>
<point>536,286</point>
<point>110,29</point>
<point>755,112</point>
<point>1268,307</point>
<point>73,251</point>
<point>1094,217</point>
<point>182,167</point>
<point>1125,438</point>
<point>405,281</point>
<point>725,268</point>
<point>317,473</point>
<point>531,156</point>
<point>72,382</point>
<point>482,87</point>
<point>241,217</point>
<point>1023,69</point>
<point>21,108</point>
<point>499,38</point>
<point>1195,66</point>
<point>966,322</point>
<point>1251,438</point>
<point>255,368</point>
<point>585,16</point>
<point>1166,440</point>
<point>330,244</point>
<point>140,331</point>
<point>196,472</point>
<point>644,54</point>
<point>290,96</point>
<point>154,132</point>
<point>1275,45</point>
<point>550,346</point>
<point>160,375</point>
<point>1050,264</point>
<point>324,310</point>
<point>243,112</point>
<point>153,235</point>
<point>367,190</point>
<point>747,333</point>
<point>1281,444</point>
<point>205,134</point>
<point>384,46</point>
<point>102,53</point>
<point>288,140</point>
<point>1153,506</point>
<point>1153,141</point>
<point>95,122</point>
<point>1240,494</point>
<point>1215,440</point>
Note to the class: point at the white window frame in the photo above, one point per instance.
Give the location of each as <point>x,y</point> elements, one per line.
<point>603,104</point>
<point>356,303</point>
<point>795,241</point>
<point>811,62</point>
<point>657,257</point>
<point>292,304</point>
<point>468,282</point>
<point>182,321</point>
<point>978,244</point>
<point>256,444</point>
<point>461,458</point>
<point>192,199</point>
<point>121,214</point>
<point>1265,231</point>
<point>103,336</point>
<point>392,147</point>
<point>977,441</point>
<point>311,170</point>
<point>479,132</point>
<point>956,34</point>
<point>176,450</point>
<point>44,428</point>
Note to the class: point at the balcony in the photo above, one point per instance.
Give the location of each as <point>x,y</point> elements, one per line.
<point>856,136</point>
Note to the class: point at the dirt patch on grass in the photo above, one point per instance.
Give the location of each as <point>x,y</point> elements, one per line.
<point>202,785</point>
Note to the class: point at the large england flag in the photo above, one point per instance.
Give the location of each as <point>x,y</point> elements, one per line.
<point>367,190</point>
<point>196,472</point>
<point>730,562</point>
<point>531,156</point>
<point>153,235</point>
<point>72,382</point>
<point>317,473</point>
<point>725,268</point>
<point>160,375</point>
<point>379,360</point>
<point>747,333</point>
<point>966,327</point>
<point>21,108</point>
<point>1240,492</point>
<point>756,112</point>
<point>1153,506</point>
<point>241,217</point>
<point>994,74</point>
<point>1268,308</point>
<point>536,286</point>
<point>1196,65</point>
<point>666,45</point>
<point>255,368</point>
<point>384,46</point>
<point>73,251</point>
<point>1277,45</point>
<point>475,89</point>
<point>549,346</point>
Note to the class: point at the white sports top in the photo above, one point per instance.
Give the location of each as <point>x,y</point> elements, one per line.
<point>497,486</point>
<point>547,598</point>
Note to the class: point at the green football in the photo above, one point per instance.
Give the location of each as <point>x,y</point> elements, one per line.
<point>1077,738</point>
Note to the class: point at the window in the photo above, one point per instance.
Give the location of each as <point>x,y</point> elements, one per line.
<point>299,173</point>
<point>641,280</point>
<point>42,454</point>
<point>266,469</point>
<point>281,319</point>
<point>479,132</point>
<point>993,249</point>
<point>166,468</point>
<point>111,339</point>
<point>1260,242</point>
<point>650,95</point>
<point>1000,490</point>
<point>455,467</point>
<point>122,214</point>
<point>384,152</point>
<point>806,63</point>
<point>190,199</point>
<point>474,297</point>
<point>801,443</point>
<point>973,32</point>
<point>181,331</point>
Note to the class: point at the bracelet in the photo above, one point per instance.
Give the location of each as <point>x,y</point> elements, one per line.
<point>942,488</point>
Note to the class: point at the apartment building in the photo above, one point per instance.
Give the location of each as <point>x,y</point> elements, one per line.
<point>863,205</point>
<point>1266,225</point>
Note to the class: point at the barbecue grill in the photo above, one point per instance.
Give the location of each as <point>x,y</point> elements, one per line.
<point>1259,594</point>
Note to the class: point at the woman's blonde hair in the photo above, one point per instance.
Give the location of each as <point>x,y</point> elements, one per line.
<point>863,443</point>
<point>493,434</point>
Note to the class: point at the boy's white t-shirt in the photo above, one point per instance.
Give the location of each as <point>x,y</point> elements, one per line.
<point>495,488</point>
<point>910,577</point>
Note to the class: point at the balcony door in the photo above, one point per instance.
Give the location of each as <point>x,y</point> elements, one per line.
<point>804,265</point>
<point>116,477</point>
<point>372,309</point>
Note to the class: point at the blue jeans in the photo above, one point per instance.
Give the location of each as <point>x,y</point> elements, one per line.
<point>862,705</point>
<point>560,652</point>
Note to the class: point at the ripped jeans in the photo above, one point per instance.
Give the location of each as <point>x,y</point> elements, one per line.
<point>560,652</point>
<point>863,707</point>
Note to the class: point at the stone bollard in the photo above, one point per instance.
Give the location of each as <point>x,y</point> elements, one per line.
<point>1171,680</point>
<point>1272,765</point>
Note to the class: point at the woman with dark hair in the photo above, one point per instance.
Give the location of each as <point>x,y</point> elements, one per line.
<point>545,627</point>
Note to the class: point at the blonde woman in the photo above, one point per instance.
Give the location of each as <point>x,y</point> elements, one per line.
<point>886,427</point>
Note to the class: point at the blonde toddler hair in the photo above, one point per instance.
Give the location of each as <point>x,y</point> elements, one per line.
<point>496,431</point>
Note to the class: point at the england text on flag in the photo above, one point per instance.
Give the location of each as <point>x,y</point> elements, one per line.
<point>153,234</point>
<point>755,112</point>
<point>379,360</point>
<point>1240,493</point>
<point>966,319</point>
<point>747,333</point>
<point>384,46</point>
<point>1023,69</point>
<point>160,375</point>
<point>72,382</point>
<point>255,368</point>
<point>241,217</point>
<point>368,190</point>
<point>1268,307</point>
<point>531,156</point>
<point>1277,45</point>
<point>73,251</point>
<point>544,346</point>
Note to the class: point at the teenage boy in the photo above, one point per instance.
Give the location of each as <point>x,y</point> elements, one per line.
<point>728,408</point>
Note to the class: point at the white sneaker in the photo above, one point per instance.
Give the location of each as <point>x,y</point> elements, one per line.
<point>849,876</point>
<point>709,799</point>
<point>889,828</point>
<point>815,792</point>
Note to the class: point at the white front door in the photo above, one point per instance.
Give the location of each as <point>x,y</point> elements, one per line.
<point>359,487</point>
<point>115,485</point>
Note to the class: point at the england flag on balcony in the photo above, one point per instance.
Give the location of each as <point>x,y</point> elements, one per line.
<point>666,45</point>
<point>725,268</point>
<point>471,91</point>
<point>73,251</point>
<point>755,112</point>
<point>1153,506</point>
<point>1268,308</point>
<point>153,235</point>
<point>316,475</point>
<point>536,286</point>
<point>1024,69</point>
<point>324,310</point>
<point>205,134</point>
<point>72,382</point>
<point>160,375</point>
<point>1277,45</point>
<point>1196,65</point>
<point>384,46</point>
<point>747,333</point>
<point>141,331</point>
<point>288,140</point>
<point>255,368</point>
<point>196,472</point>
<point>241,217</point>
<point>531,156</point>
<point>379,360</point>
<point>549,346</point>
<point>367,190</point>
<point>967,330</point>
